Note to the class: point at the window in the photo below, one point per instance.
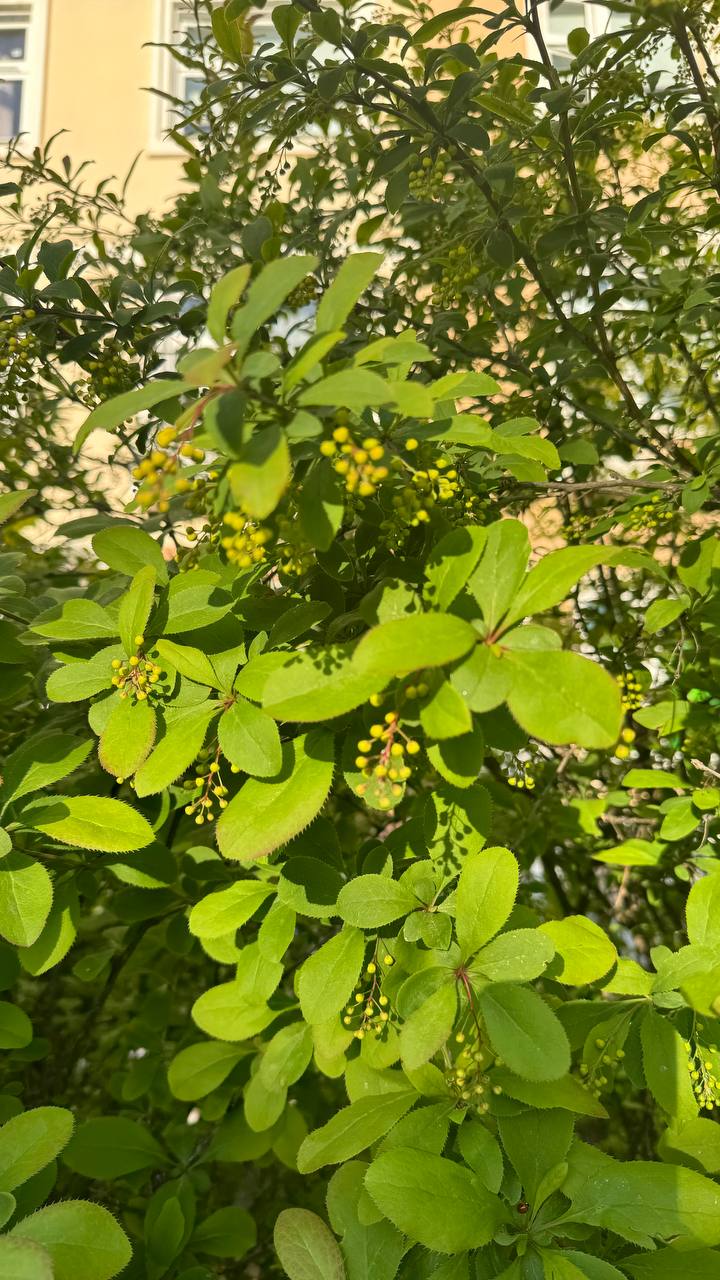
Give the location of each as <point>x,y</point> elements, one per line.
<point>557,23</point>
<point>176,21</point>
<point>22,54</point>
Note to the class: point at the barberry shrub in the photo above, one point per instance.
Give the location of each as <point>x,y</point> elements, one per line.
<point>359,902</point>
<point>275,890</point>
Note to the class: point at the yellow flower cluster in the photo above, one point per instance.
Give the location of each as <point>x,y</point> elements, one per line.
<point>624,746</point>
<point>631,691</point>
<point>647,515</point>
<point>362,466</point>
<point>704,1067</point>
<point>207,787</point>
<point>137,677</point>
<point>370,1009</point>
<point>382,758</point>
<point>427,179</point>
<point>246,543</point>
<point>18,353</point>
<point>153,472</point>
<point>599,1072</point>
<point>466,1076</point>
<point>459,271</point>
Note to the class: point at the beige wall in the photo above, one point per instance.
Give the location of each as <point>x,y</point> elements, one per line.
<point>96,77</point>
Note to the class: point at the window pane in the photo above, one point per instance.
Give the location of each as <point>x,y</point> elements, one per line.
<point>563,19</point>
<point>10,102</point>
<point>12,43</point>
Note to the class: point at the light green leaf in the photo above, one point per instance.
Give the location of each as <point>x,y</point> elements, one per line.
<point>584,948</point>
<point>228,909</point>
<point>534,1142</point>
<point>225,295</point>
<point>321,505</point>
<point>263,473</point>
<point>481,1151</point>
<point>693,1142</point>
<point>91,822</point>
<point>194,601</point>
<point>26,895</point>
<point>42,760</point>
<point>702,911</point>
<point>58,934</point>
<point>250,740</point>
<point>24,1260</point>
<point>459,760</point>
<point>227,1013</point>
<point>353,1129</point>
<point>135,608</point>
<point>15,1027</point>
<point>267,293</point>
<point>29,1142</point>
<point>412,643</point>
<point>266,814</point>
<point>372,901</point>
<point>198,1070</point>
<point>113,412</point>
<point>661,613</point>
<point>127,738</point>
<point>564,698</point>
<point>127,549</point>
<point>317,684</point>
<point>350,282</point>
<point>486,894</point>
<point>452,561</point>
<point>445,714</point>
<point>328,976</point>
<point>525,1032</point>
<point>79,620</point>
<point>190,662</point>
<point>82,1239</point>
<point>432,1200</point>
<point>553,578</point>
<point>516,956</point>
<point>306,1248</point>
<point>501,569</point>
<point>674,1264</point>
<point>655,779</point>
<point>112,1147</point>
<point>177,748</point>
<point>568,1093</point>
<point>10,503</point>
<point>80,680</point>
<point>429,1026</point>
<point>665,1063</point>
<point>356,389</point>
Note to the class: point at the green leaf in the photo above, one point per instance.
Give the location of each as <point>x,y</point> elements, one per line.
<point>259,480</point>
<point>194,601</point>
<point>445,714</point>
<point>267,293</point>
<point>91,822</point>
<point>82,1239</point>
<point>266,814</point>
<point>201,1068</point>
<point>326,979</point>
<point>459,760</point>
<point>226,910</point>
<point>413,643</point>
<point>135,608</point>
<point>674,1264</point>
<point>79,620</point>
<point>127,550</point>
<point>525,1033</point>
<point>350,282</point>
<point>702,911</point>
<point>564,698</point>
<point>516,956</point>
<point>553,578</point>
<point>57,936</point>
<point>321,505</point>
<point>306,1248</point>
<point>481,1151</point>
<point>80,680</point>
<point>451,563</point>
<point>286,1057</point>
<point>429,1027</point>
<point>317,684</point>
<point>665,1063</point>
<point>227,1233</point>
<point>113,412</point>
<point>654,779</point>
<point>372,901</point>
<point>353,1129</point>
<point>250,740</point>
<point>26,895</point>
<point>568,1093</point>
<point>661,613</point>
<point>584,948</point>
<point>534,1142</point>
<point>501,569</point>
<point>42,760</point>
<point>227,1013</point>
<point>225,295</point>
<point>486,894</point>
<point>10,503</point>
<point>23,1260</point>
<point>15,1027</point>
<point>111,1147</point>
<point>639,1200</point>
<point>694,1142</point>
<point>127,738</point>
<point>30,1141</point>
<point>190,662</point>
<point>432,1200</point>
<point>356,389</point>
<point>184,736</point>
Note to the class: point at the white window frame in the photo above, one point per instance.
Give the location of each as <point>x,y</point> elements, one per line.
<point>30,71</point>
<point>165,73</point>
<point>594,19</point>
